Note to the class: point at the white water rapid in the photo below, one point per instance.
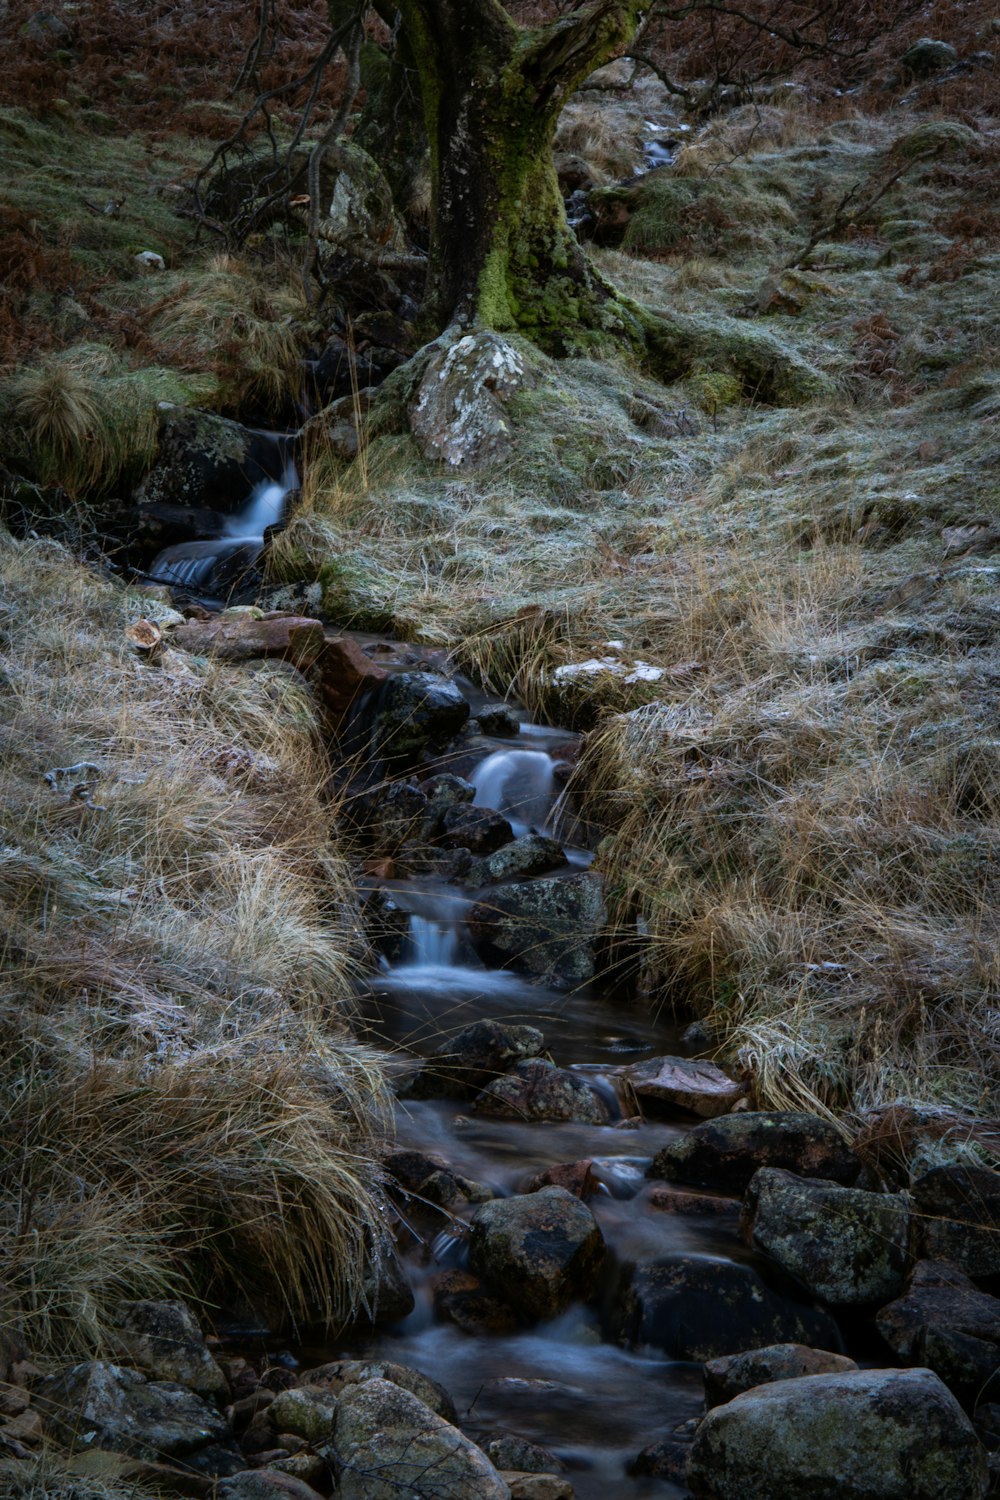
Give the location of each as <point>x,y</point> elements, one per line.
<point>518,783</point>
<point>192,564</point>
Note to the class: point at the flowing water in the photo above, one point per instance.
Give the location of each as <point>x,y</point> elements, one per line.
<point>195,565</point>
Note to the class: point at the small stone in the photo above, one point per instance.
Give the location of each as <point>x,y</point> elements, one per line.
<point>265,1484</point>
<point>341,1373</point>
<point>481,830</point>
<point>684,1083</point>
<point>499,720</point>
<point>577,1177</point>
<point>928,56</point>
<point>667,1200</point>
<point>733,1374</point>
<point>506,1451</point>
<point>462,1299</point>
<point>532,1486</point>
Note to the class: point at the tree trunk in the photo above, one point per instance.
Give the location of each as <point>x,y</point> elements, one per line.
<point>502,253</point>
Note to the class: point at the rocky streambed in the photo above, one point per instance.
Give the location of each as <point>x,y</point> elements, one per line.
<point>612,1275</point>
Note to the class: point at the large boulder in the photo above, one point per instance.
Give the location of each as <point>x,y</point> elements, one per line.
<point>947,1324</point>
<point>531,854</point>
<point>844,1245</point>
<point>541,1250</point>
<point>725,1153</point>
<point>865,1435</point>
<point>928,56</point>
<point>413,712</point>
<point>684,1083</point>
<point>164,1340</point>
<point>98,1405</point>
<point>546,928</point>
<point>337,1376</point>
<point>735,1373</point>
<point>537,1090</point>
<point>698,1309</point>
<point>209,462</point>
<point>466,1062</point>
<point>389,1444</point>
<point>458,416</point>
<point>956,1217</point>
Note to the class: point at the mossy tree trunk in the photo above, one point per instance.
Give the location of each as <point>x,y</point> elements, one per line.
<point>502,253</point>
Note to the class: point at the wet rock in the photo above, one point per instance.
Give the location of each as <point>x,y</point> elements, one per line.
<point>478,829</point>
<point>210,462</point>
<point>429,1178</point>
<point>98,1405</point>
<point>684,1083</point>
<point>444,792</point>
<point>306,1411</point>
<point>238,636</point>
<point>413,712</point>
<point>478,1053</point>
<point>699,1309</point>
<point>164,1340</point>
<point>842,1244</point>
<point>928,56</point>
<point>265,1484</point>
<point>668,1200</point>
<point>537,1090</point>
<point>458,416</point>
<point>664,1460</point>
<point>388,1296</point>
<point>956,1217</point>
<point>499,720</point>
<point>462,1299</point>
<point>865,1435</point>
<point>541,1250</point>
<point>395,815</point>
<point>577,1177</point>
<point>386,924</point>
<point>506,1451</point>
<point>725,1153</point>
<point>947,1324</point>
<point>389,1443</point>
<point>735,1373</point>
<point>545,928</point>
<point>530,1486</point>
<point>531,854</point>
<point>338,1375</point>
<point>342,673</point>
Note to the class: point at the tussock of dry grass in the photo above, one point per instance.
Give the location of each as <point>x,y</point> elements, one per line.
<point>183,1109</point>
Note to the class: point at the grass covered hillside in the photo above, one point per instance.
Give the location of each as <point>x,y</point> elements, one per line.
<point>762,579</point>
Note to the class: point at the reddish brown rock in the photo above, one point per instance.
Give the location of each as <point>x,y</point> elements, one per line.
<point>670,1200</point>
<point>342,671</point>
<point>462,1299</point>
<point>245,637</point>
<point>577,1177</point>
<point>684,1083</point>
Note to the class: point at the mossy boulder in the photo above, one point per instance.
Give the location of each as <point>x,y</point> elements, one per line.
<point>842,1244</point>
<point>540,1250</point>
<point>547,928</point>
<point>927,56</point>
<point>415,711</point>
<point>863,1435</point>
<point>205,461</point>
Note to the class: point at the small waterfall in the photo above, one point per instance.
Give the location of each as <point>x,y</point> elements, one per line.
<point>432,944</point>
<point>191,565</point>
<point>519,784</point>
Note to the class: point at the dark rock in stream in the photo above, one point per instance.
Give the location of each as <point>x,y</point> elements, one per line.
<point>429,1178</point>
<point>388,1296</point>
<point>735,1373</point>
<point>531,854</point>
<point>505,1451</point>
<point>463,1299</point>
<point>394,815</point>
<point>547,928</point>
<point>464,1063</point>
<point>205,461</point>
<point>500,721</point>
<point>577,1177</point>
<point>413,712</point>
<point>541,1250</point>
<point>266,1484</point>
<point>956,1217</point>
<point>389,1444</point>
<point>864,1435</point>
<point>947,1324</point>
<point>725,1153</point>
<point>444,792</point>
<point>843,1245</point>
<point>664,1460</point>
<point>478,829</point>
<point>699,1309</point>
<point>538,1090</point>
<point>386,924</point>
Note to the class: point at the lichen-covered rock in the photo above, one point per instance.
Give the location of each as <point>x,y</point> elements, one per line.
<point>947,1324</point>
<point>541,1250</point>
<point>307,1411</point>
<point>531,854</point>
<point>725,1153</point>
<point>413,712</point>
<point>865,1435</point>
<point>844,1245</point>
<point>684,1083</point>
<point>466,1062</point>
<point>735,1373</point>
<point>164,1340</point>
<point>927,56</point>
<point>545,928</point>
<point>699,1309</point>
<point>531,1486</point>
<point>341,1373</point>
<point>432,1180</point>
<point>388,1444</point>
<point>479,829</point>
<point>507,1451</point>
<point>210,462</point>
<point>537,1090</point>
<point>396,814</point>
<point>956,1217</point>
<point>458,416</point>
<point>98,1405</point>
